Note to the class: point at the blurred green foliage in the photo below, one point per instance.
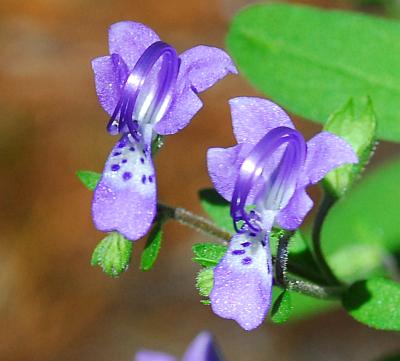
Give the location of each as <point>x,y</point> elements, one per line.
<point>312,61</point>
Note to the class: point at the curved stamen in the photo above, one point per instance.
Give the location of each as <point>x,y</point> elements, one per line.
<point>280,185</point>
<point>160,98</point>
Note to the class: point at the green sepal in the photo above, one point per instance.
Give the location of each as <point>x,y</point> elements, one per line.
<point>157,144</point>
<point>360,132</point>
<point>88,178</point>
<point>282,308</point>
<point>208,254</point>
<point>205,281</point>
<point>375,302</point>
<point>152,248</point>
<point>113,254</point>
<point>217,208</point>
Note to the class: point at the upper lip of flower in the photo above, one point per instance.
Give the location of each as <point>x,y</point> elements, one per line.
<point>279,186</point>
<point>156,100</point>
<point>147,90</point>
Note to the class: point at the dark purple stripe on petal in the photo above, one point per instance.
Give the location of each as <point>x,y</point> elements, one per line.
<point>247,260</point>
<point>126,176</point>
<point>238,252</point>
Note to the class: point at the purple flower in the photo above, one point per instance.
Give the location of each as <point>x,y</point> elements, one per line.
<point>202,348</point>
<point>269,168</point>
<point>147,90</point>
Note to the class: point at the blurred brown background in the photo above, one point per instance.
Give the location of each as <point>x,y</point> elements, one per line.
<point>53,304</point>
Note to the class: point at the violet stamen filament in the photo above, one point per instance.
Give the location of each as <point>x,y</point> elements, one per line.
<point>279,187</point>
<point>137,101</point>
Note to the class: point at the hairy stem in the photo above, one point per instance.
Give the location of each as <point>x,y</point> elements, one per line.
<point>300,286</point>
<point>205,226</point>
<point>281,262</point>
<point>311,289</point>
<point>327,203</point>
<point>194,221</point>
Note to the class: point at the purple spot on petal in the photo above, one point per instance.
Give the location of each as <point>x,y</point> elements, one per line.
<point>150,178</point>
<point>132,149</point>
<point>127,175</point>
<point>238,251</point>
<point>124,160</point>
<point>246,244</point>
<point>252,234</point>
<point>116,154</point>
<point>246,260</point>
<point>142,160</point>
<point>143,179</point>
<point>115,167</point>
<point>263,243</point>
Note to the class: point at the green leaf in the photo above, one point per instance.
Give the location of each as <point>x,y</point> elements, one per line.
<point>217,208</point>
<point>113,254</point>
<point>361,236</point>
<point>375,302</point>
<point>306,306</point>
<point>88,178</point>
<point>360,132</point>
<point>393,357</point>
<point>204,281</point>
<point>157,144</point>
<point>152,248</point>
<point>208,254</point>
<point>304,59</point>
<point>282,308</point>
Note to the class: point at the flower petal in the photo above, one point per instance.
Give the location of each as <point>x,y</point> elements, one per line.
<point>243,281</point>
<point>201,67</point>
<point>294,213</point>
<point>224,164</point>
<point>125,198</point>
<point>223,167</point>
<point>110,74</point>
<point>147,355</point>
<point>182,109</point>
<point>202,348</point>
<point>130,39</point>
<point>325,152</point>
<point>252,118</point>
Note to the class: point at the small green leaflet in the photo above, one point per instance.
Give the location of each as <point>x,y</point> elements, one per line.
<point>360,132</point>
<point>113,254</point>
<point>208,254</point>
<point>217,208</point>
<point>88,178</point>
<point>375,302</point>
<point>305,60</point>
<point>282,308</point>
<point>152,248</point>
<point>204,281</point>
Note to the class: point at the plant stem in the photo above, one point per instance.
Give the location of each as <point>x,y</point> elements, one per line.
<point>194,221</point>
<point>205,226</point>
<point>327,203</point>
<point>304,287</point>
<point>311,289</point>
<point>282,258</point>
